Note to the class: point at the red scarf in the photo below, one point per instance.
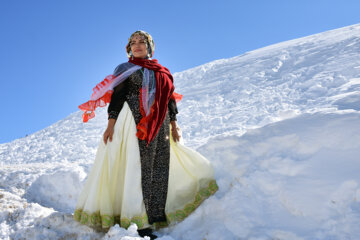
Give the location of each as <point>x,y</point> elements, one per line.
<point>149,125</point>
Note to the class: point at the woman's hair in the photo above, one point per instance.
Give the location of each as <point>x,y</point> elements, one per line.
<point>149,42</point>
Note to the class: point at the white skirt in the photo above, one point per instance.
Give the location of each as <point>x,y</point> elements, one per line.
<point>113,192</point>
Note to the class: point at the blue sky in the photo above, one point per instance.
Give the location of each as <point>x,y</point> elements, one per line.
<point>52,53</point>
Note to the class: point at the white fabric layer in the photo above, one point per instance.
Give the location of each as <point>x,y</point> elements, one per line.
<point>113,185</point>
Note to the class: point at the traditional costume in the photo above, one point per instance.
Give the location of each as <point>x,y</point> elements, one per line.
<point>142,176</point>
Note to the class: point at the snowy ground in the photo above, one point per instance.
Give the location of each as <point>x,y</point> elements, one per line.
<point>280,124</point>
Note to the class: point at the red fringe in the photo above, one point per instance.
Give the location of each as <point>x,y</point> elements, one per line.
<point>176,96</point>
<point>91,105</point>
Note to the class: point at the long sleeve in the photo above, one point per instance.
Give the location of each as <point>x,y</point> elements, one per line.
<point>172,108</point>
<point>117,100</point>
<point>119,95</point>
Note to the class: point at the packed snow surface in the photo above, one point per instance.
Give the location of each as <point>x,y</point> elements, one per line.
<point>280,124</point>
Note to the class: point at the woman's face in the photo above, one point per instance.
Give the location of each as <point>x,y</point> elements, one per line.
<point>138,46</point>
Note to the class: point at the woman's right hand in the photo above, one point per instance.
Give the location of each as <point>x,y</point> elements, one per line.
<point>109,132</point>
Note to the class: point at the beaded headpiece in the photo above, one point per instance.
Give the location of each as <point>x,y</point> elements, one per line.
<point>149,42</point>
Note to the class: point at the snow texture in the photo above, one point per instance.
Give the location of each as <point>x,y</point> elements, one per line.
<point>281,125</point>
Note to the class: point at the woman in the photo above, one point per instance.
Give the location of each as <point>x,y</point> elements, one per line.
<point>142,173</point>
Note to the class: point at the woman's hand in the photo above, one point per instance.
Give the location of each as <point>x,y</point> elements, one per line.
<point>175,131</point>
<point>109,132</point>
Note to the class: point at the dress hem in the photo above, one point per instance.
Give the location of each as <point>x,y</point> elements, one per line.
<point>105,221</point>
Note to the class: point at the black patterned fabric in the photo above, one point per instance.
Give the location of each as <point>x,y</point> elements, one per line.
<point>154,157</point>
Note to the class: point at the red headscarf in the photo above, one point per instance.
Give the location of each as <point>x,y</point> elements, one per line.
<point>149,125</point>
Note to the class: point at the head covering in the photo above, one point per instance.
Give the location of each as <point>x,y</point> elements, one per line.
<point>149,42</point>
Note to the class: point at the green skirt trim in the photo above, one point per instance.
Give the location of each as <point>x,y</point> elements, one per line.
<point>105,221</point>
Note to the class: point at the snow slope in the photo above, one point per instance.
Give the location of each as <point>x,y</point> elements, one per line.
<point>280,125</point>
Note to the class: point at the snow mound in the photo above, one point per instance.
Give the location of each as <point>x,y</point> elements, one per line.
<point>317,73</point>
<point>295,179</point>
<point>59,190</point>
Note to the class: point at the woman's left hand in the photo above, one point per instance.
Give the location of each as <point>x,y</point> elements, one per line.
<point>175,131</point>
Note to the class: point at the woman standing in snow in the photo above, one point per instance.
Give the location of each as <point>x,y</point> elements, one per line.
<point>142,173</point>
